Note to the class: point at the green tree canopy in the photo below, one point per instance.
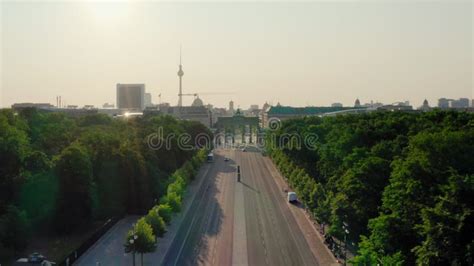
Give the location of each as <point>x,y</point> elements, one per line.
<point>141,238</point>
<point>156,222</point>
<point>75,188</point>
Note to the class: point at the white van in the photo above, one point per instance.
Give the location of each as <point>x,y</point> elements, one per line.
<point>292,197</point>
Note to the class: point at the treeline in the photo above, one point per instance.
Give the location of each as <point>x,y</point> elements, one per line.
<point>143,237</point>
<point>62,173</point>
<point>402,182</point>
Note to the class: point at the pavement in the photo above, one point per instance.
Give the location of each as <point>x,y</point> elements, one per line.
<point>109,250</point>
<point>226,222</point>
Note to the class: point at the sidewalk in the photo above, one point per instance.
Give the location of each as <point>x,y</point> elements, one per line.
<point>109,250</point>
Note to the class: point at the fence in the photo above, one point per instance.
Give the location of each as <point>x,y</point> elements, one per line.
<point>74,255</point>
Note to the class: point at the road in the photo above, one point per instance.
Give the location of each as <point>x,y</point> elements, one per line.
<point>241,223</point>
<point>226,222</point>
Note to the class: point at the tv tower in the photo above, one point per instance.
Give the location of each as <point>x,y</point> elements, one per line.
<point>180,75</point>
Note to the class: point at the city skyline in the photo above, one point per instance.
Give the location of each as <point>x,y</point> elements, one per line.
<point>323,53</point>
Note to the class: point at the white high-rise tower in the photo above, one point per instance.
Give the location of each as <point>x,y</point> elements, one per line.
<point>180,75</point>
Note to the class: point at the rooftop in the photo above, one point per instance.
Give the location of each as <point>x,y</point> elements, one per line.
<point>309,110</point>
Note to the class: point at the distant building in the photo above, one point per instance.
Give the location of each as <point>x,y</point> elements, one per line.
<point>357,103</point>
<point>443,103</point>
<point>194,113</point>
<point>425,106</point>
<point>216,113</point>
<point>451,103</point>
<point>253,107</point>
<point>197,102</point>
<point>152,110</point>
<point>461,103</point>
<point>287,112</point>
<point>131,97</point>
<point>148,101</point>
<point>108,105</point>
<point>198,112</point>
<point>18,106</point>
<point>264,114</point>
<point>372,105</point>
<point>163,106</point>
<point>336,105</point>
<point>231,107</point>
<point>402,106</point>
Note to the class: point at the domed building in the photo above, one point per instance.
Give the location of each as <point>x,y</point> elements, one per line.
<point>425,106</point>
<point>197,102</point>
<point>357,103</point>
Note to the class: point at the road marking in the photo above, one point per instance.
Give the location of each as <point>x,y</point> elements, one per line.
<point>239,250</point>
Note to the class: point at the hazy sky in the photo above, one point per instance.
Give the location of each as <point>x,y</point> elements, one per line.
<point>310,53</point>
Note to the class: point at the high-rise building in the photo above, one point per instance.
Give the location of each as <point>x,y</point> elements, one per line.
<point>443,103</point>
<point>148,101</point>
<point>461,103</point>
<point>451,103</point>
<point>131,96</point>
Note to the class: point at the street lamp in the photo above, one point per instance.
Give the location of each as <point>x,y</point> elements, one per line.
<point>346,232</point>
<point>132,242</point>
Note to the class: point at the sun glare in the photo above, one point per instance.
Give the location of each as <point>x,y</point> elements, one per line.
<point>109,11</point>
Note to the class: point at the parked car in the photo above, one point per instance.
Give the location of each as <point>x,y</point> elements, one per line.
<point>292,197</point>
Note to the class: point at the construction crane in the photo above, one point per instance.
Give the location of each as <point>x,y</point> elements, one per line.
<point>196,95</point>
<point>189,94</point>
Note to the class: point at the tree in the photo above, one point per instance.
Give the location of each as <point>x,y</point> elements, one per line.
<point>14,146</point>
<point>156,222</point>
<point>165,211</point>
<point>75,188</point>
<point>133,169</point>
<point>140,239</point>
<point>386,175</point>
<point>447,227</point>
<point>14,228</point>
<point>174,200</point>
<point>360,189</point>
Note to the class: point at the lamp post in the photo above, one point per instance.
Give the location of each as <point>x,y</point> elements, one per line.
<point>346,232</point>
<point>132,242</point>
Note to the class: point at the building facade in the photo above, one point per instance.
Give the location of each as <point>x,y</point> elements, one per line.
<point>131,97</point>
<point>287,112</point>
<point>193,113</point>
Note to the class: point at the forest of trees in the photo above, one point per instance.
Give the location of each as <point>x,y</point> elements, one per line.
<point>61,173</point>
<point>402,182</point>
